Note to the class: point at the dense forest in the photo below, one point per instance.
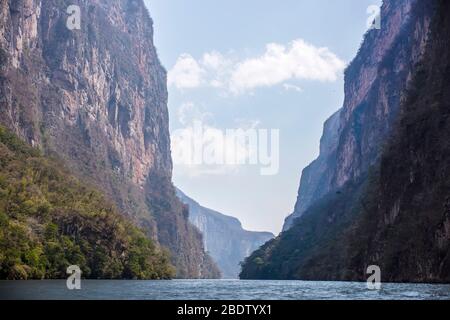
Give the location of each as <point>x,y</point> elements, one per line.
<point>50,220</point>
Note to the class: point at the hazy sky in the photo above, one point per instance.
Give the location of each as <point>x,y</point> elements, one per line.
<point>255,64</point>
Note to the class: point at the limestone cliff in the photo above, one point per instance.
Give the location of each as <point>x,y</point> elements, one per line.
<point>375,83</point>
<point>97,98</point>
<point>224,238</point>
<point>316,178</point>
<point>385,197</point>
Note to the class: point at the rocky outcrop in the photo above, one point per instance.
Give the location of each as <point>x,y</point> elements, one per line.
<point>97,98</point>
<point>387,196</point>
<point>316,178</point>
<point>224,238</point>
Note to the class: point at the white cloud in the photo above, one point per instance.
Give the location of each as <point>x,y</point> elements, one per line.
<point>300,61</point>
<point>186,74</point>
<point>214,60</point>
<point>218,68</point>
<point>278,64</point>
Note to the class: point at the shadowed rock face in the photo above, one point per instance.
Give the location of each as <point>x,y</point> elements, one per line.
<point>224,238</point>
<point>375,83</point>
<point>386,195</point>
<point>97,97</point>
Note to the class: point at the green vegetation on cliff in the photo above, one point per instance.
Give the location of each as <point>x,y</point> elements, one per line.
<point>115,137</point>
<point>50,220</point>
<point>397,216</point>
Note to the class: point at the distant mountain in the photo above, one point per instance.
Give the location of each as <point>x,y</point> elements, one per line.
<point>224,238</point>
<point>379,193</point>
<point>97,97</point>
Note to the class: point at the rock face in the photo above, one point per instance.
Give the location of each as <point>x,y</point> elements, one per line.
<point>365,201</point>
<point>316,178</point>
<point>405,225</point>
<point>374,85</point>
<point>97,97</point>
<point>224,238</point>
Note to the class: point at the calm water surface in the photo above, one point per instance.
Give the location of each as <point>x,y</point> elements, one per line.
<point>218,290</point>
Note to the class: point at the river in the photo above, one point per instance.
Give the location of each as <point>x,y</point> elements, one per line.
<point>219,290</point>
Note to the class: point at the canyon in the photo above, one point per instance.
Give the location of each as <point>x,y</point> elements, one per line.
<point>86,164</point>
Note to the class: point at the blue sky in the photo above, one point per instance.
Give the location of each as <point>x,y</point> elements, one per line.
<point>256,64</point>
